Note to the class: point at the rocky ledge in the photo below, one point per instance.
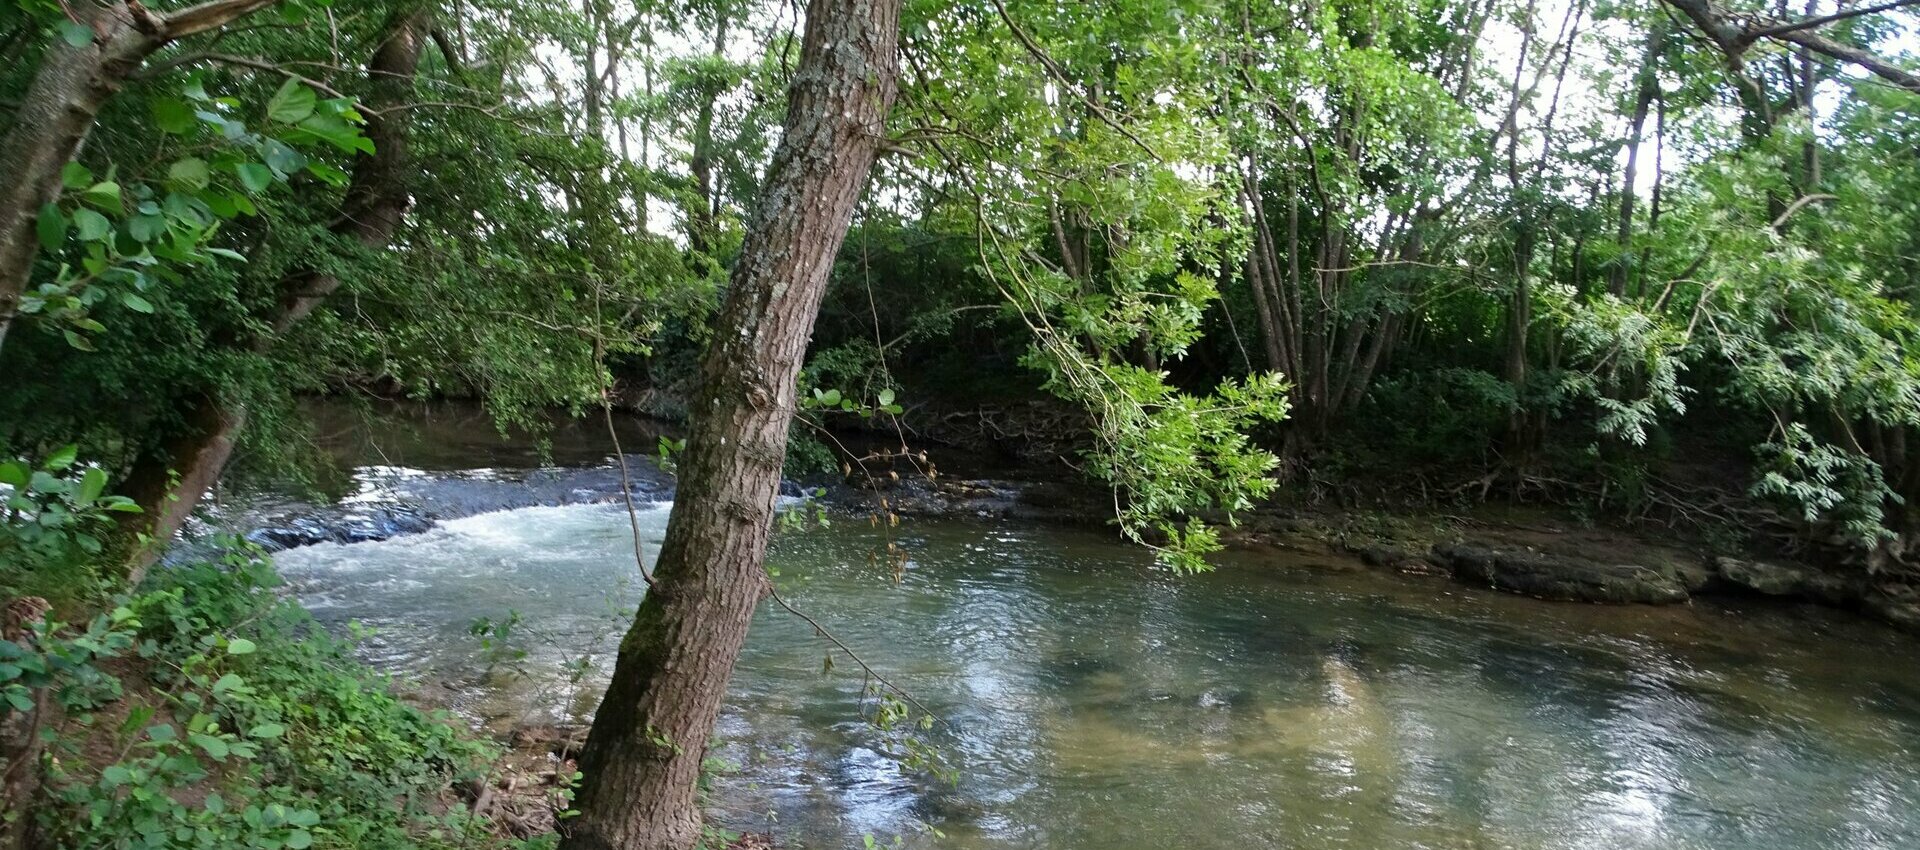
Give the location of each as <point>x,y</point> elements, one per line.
<point>1656,576</point>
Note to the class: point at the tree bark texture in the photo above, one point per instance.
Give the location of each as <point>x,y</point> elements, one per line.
<point>642,760</point>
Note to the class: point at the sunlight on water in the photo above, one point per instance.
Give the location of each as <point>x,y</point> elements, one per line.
<point>1097,704</point>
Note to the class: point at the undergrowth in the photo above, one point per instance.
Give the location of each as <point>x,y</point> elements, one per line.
<point>207,711</point>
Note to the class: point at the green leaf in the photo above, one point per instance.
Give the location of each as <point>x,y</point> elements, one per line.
<point>13,473</point>
<point>73,175</point>
<point>332,176</point>
<point>74,33</point>
<point>240,646</point>
<point>145,228</point>
<point>886,397</point>
<point>227,683</point>
<point>293,102</point>
<point>219,204</point>
<point>135,303</point>
<point>64,456</point>
<point>92,484</point>
<point>51,228</point>
<point>254,176</point>
<point>213,746</point>
<point>93,226</point>
<point>267,730</point>
<point>190,173</point>
<point>172,115</point>
<point>299,839</point>
<point>333,131</point>
<point>282,159</point>
<point>104,195</point>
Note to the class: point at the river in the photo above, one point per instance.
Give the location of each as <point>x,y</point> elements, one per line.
<point>1089,701</point>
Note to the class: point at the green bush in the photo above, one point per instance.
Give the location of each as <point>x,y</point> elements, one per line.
<point>208,711</point>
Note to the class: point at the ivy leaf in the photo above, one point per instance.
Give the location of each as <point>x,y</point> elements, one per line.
<point>292,103</point>
<point>51,227</point>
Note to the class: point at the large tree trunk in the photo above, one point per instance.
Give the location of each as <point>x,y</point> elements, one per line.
<point>376,200</point>
<point>642,759</point>
<point>58,112</point>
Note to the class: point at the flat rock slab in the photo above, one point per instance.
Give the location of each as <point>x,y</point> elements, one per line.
<point>1566,578</point>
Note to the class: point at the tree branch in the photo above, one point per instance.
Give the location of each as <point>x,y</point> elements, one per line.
<point>198,19</point>
<point>229,59</point>
<point>1873,63</point>
<point>1823,20</point>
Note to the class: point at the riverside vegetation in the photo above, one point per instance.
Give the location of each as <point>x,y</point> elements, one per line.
<point>1639,262</point>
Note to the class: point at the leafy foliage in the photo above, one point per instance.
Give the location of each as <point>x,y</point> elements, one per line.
<point>209,712</point>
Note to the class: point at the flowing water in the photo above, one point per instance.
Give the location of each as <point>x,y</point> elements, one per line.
<point>1095,703</point>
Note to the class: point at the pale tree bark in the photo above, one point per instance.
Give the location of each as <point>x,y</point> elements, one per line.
<point>642,760</point>
<point>1734,32</point>
<point>1646,88</point>
<point>58,112</point>
<point>170,485</point>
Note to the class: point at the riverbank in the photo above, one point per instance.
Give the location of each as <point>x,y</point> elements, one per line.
<point>414,465</point>
<point>1542,553</point>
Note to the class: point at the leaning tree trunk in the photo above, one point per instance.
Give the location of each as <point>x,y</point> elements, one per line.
<point>642,760</point>
<point>170,484</point>
<point>58,111</point>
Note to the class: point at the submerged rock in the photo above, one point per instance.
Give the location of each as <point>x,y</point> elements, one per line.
<point>342,527</point>
<point>1788,580</point>
<point>1563,577</point>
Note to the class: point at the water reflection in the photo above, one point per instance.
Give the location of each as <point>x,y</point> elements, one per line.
<point>1095,703</point>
